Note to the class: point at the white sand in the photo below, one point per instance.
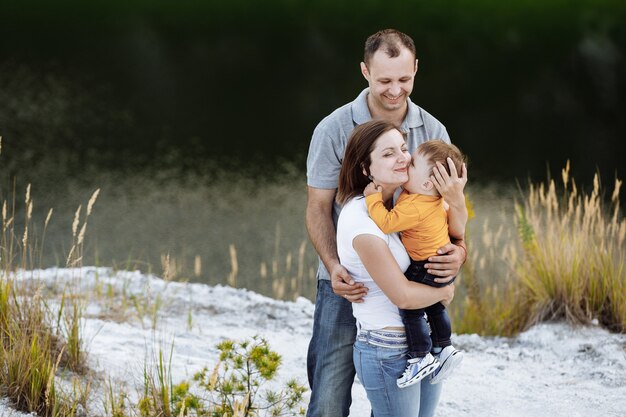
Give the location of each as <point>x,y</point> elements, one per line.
<point>551,370</point>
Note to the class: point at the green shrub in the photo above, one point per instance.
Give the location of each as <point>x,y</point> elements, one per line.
<point>235,385</point>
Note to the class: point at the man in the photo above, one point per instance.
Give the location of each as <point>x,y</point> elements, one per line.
<point>389,66</point>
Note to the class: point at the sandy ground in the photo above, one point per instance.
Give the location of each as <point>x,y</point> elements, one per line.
<point>552,369</point>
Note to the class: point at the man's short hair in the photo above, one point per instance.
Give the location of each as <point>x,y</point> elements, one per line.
<point>390,41</point>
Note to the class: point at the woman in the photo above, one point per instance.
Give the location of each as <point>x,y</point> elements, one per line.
<point>377,152</point>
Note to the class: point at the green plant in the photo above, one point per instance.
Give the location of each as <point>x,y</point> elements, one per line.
<point>157,395</point>
<point>185,403</point>
<point>115,401</point>
<point>235,384</point>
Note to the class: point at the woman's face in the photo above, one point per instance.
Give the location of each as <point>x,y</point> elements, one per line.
<point>390,159</point>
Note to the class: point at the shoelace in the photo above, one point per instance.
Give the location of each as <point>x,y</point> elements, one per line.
<point>407,371</point>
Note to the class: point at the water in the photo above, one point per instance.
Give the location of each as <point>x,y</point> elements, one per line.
<point>194,119</point>
<point>229,230</point>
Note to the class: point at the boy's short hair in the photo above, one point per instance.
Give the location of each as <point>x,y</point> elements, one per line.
<point>436,150</point>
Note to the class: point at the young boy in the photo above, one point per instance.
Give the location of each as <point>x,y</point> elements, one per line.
<point>422,216</point>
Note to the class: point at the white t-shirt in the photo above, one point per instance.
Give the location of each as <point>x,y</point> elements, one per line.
<point>377,311</point>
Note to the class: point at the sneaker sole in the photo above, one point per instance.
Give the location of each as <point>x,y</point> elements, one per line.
<point>447,367</point>
<point>429,369</point>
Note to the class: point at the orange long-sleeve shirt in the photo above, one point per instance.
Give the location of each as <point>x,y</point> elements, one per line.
<point>422,219</point>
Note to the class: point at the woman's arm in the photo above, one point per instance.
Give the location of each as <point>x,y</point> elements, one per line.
<point>383,268</point>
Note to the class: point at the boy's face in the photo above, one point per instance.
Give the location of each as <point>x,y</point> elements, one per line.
<point>419,176</point>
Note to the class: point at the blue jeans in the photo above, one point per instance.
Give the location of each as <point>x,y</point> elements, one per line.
<point>378,369</point>
<point>329,360</point>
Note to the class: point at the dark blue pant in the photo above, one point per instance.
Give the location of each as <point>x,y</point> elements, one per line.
<point>419,336</point>
<point>330,365</point>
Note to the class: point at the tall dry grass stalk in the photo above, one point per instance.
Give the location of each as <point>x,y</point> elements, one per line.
<point>572,258</point>
<point>287,272</point>
<point>234,266</point>
<point>284,279</point>
<point>75,255</point>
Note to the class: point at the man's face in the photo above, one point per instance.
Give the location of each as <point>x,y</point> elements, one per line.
<point>390,79</point>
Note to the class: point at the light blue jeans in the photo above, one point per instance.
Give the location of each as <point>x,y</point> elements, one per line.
<point>379,366</point>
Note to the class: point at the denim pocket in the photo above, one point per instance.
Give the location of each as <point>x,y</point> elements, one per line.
<point>394,364</point>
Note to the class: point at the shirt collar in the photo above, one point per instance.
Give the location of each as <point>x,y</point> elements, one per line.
<point>361,113</point>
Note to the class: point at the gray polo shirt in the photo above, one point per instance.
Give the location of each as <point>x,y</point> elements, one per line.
<point>328,144</point>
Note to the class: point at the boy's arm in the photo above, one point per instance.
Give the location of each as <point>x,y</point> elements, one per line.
<point>403,216</point>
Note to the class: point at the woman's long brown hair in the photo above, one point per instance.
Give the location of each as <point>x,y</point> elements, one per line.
<point>352,180</point>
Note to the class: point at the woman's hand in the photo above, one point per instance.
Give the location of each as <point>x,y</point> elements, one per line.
<point>450,186</point>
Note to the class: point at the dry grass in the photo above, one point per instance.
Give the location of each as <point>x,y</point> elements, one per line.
<point>484,289</point>
<point>288,277</point>
<point>37,340</point>
<point>566,263</point>
<point>571,264</point>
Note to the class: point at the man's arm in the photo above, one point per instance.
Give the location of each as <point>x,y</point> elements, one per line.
<point>448,261</point>
<point>452,256</point>
<point>457,220</point>
<point>323,235</point>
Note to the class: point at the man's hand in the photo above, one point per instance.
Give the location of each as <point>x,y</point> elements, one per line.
<point>447,263</point>
<point>344,286</point>
<point>372,189</point>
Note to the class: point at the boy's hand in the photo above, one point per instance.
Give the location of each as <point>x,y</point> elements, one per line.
<point>450,186</point>
<point>372,189</point>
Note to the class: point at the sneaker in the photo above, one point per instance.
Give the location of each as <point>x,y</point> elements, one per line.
<point>449,358</point>
<point>417,369</point>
